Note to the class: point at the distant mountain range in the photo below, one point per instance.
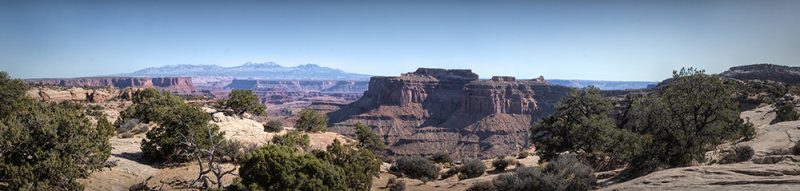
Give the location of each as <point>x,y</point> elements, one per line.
<point>603,85</point>
<point>249,70</point>
<point>273,71</point>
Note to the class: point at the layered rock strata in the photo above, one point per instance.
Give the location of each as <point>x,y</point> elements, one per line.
<point>284,91</point>
<point>432,110</point>
<point>180,85</point>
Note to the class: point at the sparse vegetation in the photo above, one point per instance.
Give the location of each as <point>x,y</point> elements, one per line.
<point>312,121</point>
<point>796,148</point>
<point>785,112</point>
<point>241,101</point>
<point>523,155</point>
<point>564,173</point>
<point>274,125</point>
<point>417,168</point>
<point>47,146</point>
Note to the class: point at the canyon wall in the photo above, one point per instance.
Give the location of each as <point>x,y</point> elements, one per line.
<point>786,74</point>
<point>284,91</point>
<point>432,110</point>
<point>180,85</point>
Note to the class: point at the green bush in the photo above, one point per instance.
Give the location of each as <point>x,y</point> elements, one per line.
<point>482,186</point>
<point>311,120</point>
<point>786,112</point>
<point>279,167</point>
<point>359,165</point>
<point>164,144</point>
<point>368,139</point>
<point>472,168</point>
<point>564,173</point>
<point>47,146</point>
<point>293,139</point>
<point>417,168</point>
<point>442,158</point>
<point>691,112</point>
<point>274,125</point>
<point>581,124</point>
<point>241,101</point>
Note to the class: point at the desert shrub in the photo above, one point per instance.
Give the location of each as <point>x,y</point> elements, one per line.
<point>796,149</point>
<point>231,151</point>
<point>450,173</point>
<point>523,155</point>
<point>293,139</point>
<point>581,124</point>
<point>279,167</point>
<point>482,186</point>
<point>359,165</point>
<point>690,113</point>
<point>501,163</point>
<point>368,139</point>
<point>241,101</point>
<point>128,125</point>
<point>472,168</point>
<point>141,129</point>
<point>45,146</point>
<point>442,158</point>
<point>311,120</point>
<point>399,186</point>
<point>786,112</point>
<point>391,182</point>
<point>743,153</point>
<point>125,135</point>
<point>564,173</point>
<point>274,125</point>
<point>417,167</point>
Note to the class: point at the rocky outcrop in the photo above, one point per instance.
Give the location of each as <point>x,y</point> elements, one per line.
<point>432,110</point>
<point>72,94</point>
<point>778,73</point>
<point>182,85</point>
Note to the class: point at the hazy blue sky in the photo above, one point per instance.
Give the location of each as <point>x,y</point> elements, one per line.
<point>613,40</point>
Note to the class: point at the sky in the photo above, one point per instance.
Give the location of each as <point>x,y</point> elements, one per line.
<point>568,39</point>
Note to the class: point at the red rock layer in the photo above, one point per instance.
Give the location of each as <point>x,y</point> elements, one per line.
<point>431,110</point>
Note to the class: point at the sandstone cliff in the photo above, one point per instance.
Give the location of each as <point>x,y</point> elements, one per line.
<point>180,85</point>
<point>433,110</point>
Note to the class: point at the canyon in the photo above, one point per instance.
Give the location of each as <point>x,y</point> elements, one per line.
<point>432,110</point>
<point>178,85</point>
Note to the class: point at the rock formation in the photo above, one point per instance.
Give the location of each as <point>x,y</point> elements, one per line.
<point>778,73</point>
<point>434,110</point>
<point>178,85</point>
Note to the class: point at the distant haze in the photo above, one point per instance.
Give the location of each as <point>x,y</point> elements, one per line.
<point>579,39</point>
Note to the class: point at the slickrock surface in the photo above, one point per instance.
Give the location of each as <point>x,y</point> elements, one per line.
<point>434,110</point>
